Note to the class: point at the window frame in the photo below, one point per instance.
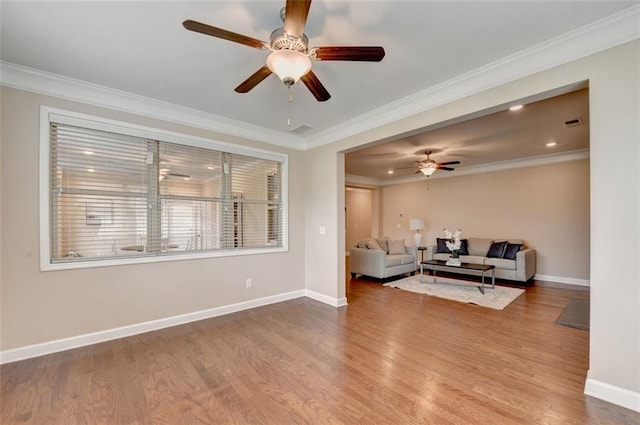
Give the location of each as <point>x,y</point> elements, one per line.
<point>50,114</point>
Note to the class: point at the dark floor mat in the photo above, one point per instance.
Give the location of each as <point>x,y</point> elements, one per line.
<point>575,314</point>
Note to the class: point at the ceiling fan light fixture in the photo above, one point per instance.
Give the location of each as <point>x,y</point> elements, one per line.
<point>288,65</point>
<point>428,169</point>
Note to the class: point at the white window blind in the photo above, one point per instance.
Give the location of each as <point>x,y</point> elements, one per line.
<point>115,196</point>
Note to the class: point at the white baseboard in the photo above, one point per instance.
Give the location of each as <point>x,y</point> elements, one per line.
<point>334,302</point>
<point>27,352</point>
<point>22,353</point>
<point>612,394</point>
<point>560,279</point>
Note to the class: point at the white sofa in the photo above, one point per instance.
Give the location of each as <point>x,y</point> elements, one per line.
<point>382,258</point>
<point>519,265</point>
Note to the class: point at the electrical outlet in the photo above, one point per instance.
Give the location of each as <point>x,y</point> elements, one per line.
<point>249,283</point>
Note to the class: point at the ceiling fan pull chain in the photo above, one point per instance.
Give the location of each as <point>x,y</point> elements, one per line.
<point>289,107</point>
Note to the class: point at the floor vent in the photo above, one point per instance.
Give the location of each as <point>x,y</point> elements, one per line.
<point>301,129</point>
<point>576,122</point>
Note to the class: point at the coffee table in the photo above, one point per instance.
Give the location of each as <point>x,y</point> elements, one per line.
<point>440,265</point>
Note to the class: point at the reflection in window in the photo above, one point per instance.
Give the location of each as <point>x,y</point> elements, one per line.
<point>115,195</point>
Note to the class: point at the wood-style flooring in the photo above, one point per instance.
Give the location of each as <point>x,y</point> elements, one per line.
<point>389,357</point>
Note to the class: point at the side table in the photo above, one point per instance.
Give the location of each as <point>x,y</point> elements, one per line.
<point>422,249</point>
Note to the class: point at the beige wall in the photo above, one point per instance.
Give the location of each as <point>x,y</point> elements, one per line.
<point>547,206</point>
<point>38,306</point>
<point>359,215</point>
<point>614,99</point>
<point>43,306</point>
<point>324,263</point>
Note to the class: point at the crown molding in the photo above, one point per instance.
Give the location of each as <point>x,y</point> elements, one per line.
<point>600,35</point>
<point>34,80</point>
<point>608,32</point>
<point>533,161</point>
<point>369,181</point>
<point>357,189</point>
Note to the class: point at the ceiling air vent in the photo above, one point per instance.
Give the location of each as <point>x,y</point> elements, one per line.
<point>301,129</point>
<point>576,122</point>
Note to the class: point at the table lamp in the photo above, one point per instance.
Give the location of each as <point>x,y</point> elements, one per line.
<point>417,224</point>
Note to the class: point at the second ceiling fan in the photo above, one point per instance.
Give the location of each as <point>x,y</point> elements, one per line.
<point>429,166</point>
<point>290,56</point>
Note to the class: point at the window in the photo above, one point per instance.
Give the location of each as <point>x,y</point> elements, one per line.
<point>118,193</point>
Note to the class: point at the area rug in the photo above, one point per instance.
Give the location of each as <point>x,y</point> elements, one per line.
<point>459,290</point>
<point>575,315</point>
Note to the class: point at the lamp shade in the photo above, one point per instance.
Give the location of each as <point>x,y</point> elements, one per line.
<point>428,170</point>
<point>417,224</point>
<point>288,64</point>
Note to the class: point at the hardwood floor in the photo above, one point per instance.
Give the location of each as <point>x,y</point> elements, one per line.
<point>389,357</point>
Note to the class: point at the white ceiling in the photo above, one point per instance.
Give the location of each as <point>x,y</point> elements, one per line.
<point>142,48</point>
<point>501,137</point>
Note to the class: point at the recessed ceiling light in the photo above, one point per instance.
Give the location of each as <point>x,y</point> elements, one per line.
<point>209,167</point>
<point>390,172</point>
<point>91,170</point>
<point>515,108</point>
<point>88,152</point>
<point>551,144</point>
<point>187,178</point>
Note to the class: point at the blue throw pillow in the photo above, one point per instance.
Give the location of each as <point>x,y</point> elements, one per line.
<point>464,247</point>
<point>512,250</point>
<point>442,246</point>
<point>497,250</point>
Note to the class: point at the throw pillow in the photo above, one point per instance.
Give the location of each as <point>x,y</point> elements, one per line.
<point>511,250</point>
<point>397,247</point>
<point>384,244</point>
<point>497,250</point>
<point>442,246</point>
<point>464,247</point>
<point>362,244</point>
<point>373,244</point>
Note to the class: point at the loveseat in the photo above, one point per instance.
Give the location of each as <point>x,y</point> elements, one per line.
<point>512,259</point>
<point>382,258</point>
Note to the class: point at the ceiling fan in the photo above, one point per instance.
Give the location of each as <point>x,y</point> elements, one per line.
<point>165,172</point>
<point>290,57</point>
<point>429,166</point>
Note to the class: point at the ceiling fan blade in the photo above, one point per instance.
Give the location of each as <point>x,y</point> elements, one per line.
<point>295,16</point>
<point>184,176</point>
<point>449,163</point>
<point>446,168</point>
<point>347,53</point>
<point>253,80</point>
<point>315,86</point>
<point>224,34</point>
